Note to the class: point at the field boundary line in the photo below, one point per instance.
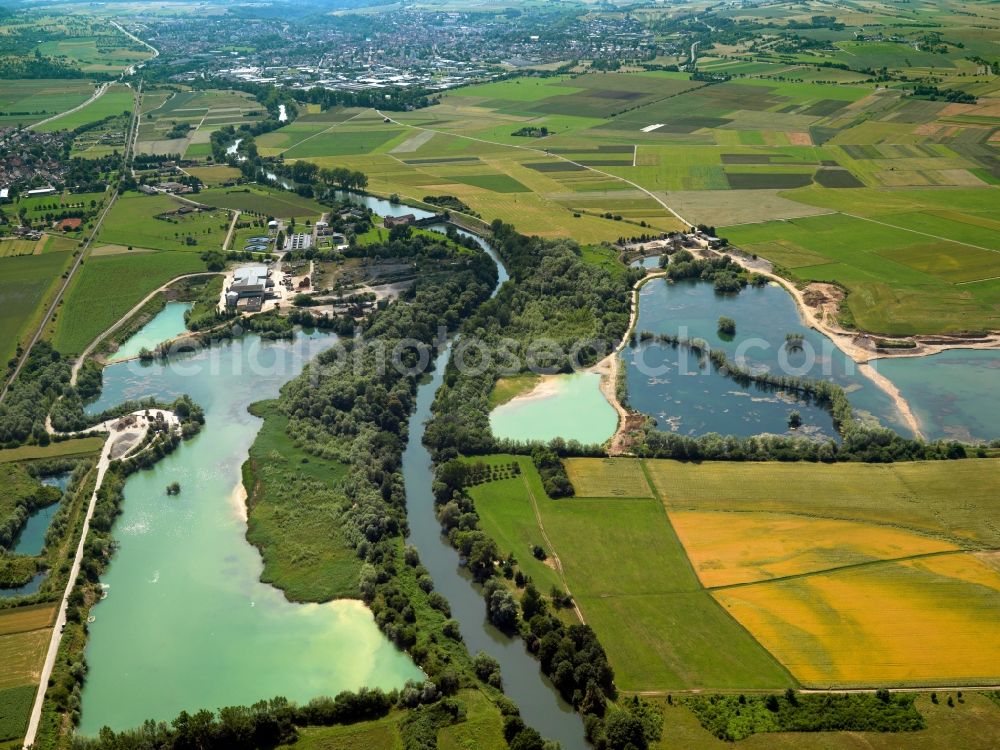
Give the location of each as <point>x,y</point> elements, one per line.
<point>848,567</point>
<point>322,132</point>
<point>700,587</point>
<point>555,555</point>
<point>549,154</point>
<point>917,231</point>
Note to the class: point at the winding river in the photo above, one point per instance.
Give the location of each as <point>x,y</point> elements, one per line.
<point>540,703</point>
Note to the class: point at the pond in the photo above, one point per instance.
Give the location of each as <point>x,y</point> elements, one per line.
<point>31,587</point>
<point>187,624</point>
<point>953,394</point>
<point>691,398</point>
<point>571,407</point>
<point>165,325</point>
<point>31,540</point>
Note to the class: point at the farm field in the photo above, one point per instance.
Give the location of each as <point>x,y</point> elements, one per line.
<point>203,112</point>
<point>109,286</point>
<point>844,586</point>
<point>26,101</point>
<point>26,284</point>
<point>64,448</point>
<point>116,100</point>
<point>263,200</point>
<point>907,271</point>
<point>24,636</point>
<point>736,155</point>
<point>160,222</point>
<point>631,600</point>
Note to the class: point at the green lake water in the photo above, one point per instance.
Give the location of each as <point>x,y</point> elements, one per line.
<point>187,624</point>
<point>575,410</point>
<point>168,324</point>
<point>953,394</point>
<point>31,540</point>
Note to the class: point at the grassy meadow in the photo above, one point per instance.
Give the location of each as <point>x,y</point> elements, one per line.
<point>27,285</point>
<point>278,477</point>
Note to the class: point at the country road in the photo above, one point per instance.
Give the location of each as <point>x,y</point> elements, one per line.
<point>98,93</point>
<point>548,154</point>
<point>114,435</point>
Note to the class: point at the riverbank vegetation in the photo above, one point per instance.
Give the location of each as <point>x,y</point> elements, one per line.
<point>554,295</point>
<point>351,419</point>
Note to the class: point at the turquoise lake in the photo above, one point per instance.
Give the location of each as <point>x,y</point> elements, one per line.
<point>187,624</point>
<point>572,408</point>
<point>953,394</point>
<point>31,540</point>
<point>166,325</point>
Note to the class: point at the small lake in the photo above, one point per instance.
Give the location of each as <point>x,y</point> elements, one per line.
<point>187,624</point>
<point>953,394</point>
<point>571,407</point>
<point>165,325</point>
<point>31,540</point>
<point>691,398</point>
<point>31,587</point>
<point>650,262</point>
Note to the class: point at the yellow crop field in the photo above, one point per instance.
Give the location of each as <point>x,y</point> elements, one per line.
<point>21,655</point>
<point>952,500</point>
<point>23,619</point>
<point>922,622</point>
<point>607,477</point>
<point>728,548</point>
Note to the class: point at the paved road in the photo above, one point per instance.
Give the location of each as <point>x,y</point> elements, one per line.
<point>102,466</point>
<point>98,93</point>
<point>81,254</point>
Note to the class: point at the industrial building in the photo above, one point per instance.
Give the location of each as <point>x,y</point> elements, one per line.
<point>249,287</point>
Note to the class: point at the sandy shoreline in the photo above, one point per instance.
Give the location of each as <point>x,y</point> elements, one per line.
<point>547,387</point>
<point>238,499</point>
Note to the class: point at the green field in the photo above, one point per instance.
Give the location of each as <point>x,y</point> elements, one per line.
<point>152,222</point>
<point>61,449</point>
<point>26,283</point>
<point>107,287</point>
<point>279,477</point>
<point>905,272</point>
<point>23,102</point>
<point>482,729</point>
<point>660,628</point>
<point>116,100</point>
<point>265,201</point>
